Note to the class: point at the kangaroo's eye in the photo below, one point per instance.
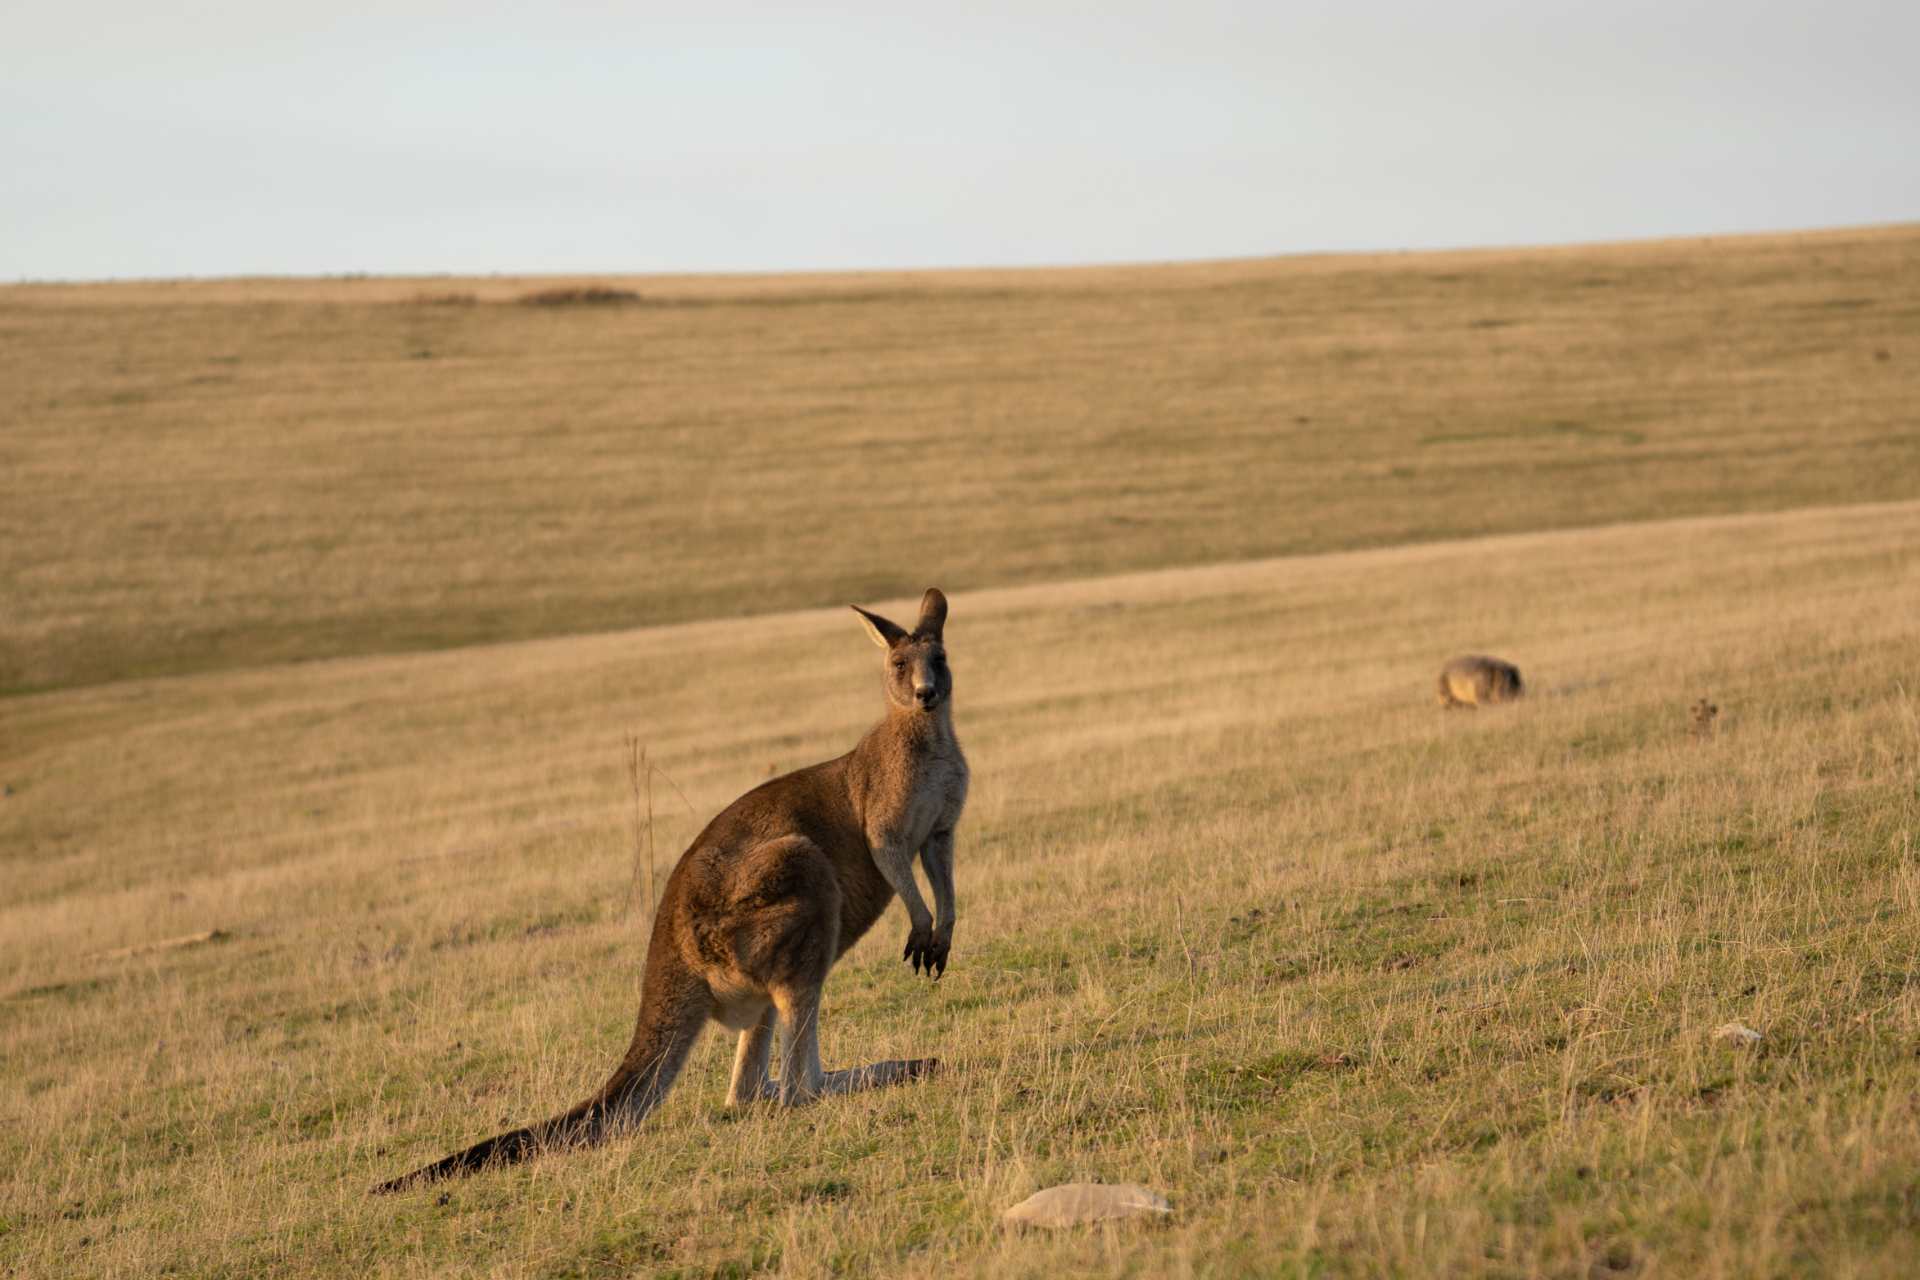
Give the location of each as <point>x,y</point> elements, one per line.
<point>899,664</point>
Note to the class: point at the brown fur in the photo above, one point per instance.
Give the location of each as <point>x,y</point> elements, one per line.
<point>780,884</point>
<point>1474,680</point>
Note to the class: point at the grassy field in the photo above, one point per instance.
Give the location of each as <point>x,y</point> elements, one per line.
<point>1360,985</point>
<point>333,662</point>
<point>198,477</point>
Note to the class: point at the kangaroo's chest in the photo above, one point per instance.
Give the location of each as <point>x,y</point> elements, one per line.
<point>938,795</point>
<point>924,796</point>
<point>900,807</point>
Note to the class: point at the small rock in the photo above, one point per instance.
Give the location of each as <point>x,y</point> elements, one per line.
<point>1073,1203</point>
<point>1737,1033</point>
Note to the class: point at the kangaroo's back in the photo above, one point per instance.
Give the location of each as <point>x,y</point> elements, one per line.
<point>817,804</point>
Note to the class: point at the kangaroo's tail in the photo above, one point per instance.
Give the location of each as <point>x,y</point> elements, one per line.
<point>674,1006</point>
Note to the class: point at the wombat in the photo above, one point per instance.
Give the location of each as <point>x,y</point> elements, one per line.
<point>1473,679</point>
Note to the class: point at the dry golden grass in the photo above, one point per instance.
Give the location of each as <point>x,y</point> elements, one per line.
<point>209,475</point>
<point>1363,987</point>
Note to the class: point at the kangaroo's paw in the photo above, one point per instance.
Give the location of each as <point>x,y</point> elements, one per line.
<point>927,948</point>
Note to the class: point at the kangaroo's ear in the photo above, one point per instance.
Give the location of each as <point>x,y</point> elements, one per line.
<point>933,614</point>
<point>884,633</point>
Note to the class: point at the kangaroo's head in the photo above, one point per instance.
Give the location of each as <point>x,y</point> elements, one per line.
<point>917,678</point>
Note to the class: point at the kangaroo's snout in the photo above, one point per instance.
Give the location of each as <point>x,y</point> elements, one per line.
<point>927,695</point>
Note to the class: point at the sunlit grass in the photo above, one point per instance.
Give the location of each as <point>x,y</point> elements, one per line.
<point>1360,985</point>
<point>208,476</point>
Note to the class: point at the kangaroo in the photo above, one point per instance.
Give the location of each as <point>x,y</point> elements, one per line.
<point>1472,679</point>
<point>779,886</point>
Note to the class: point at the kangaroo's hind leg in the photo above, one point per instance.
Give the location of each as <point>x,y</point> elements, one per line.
<point>788,940</point>
<point>784,905</point>
<point>802,1080</point>
<point>751,1082</point>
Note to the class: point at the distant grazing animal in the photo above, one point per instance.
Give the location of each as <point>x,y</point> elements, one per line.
<point>1474,679</point>
<point>775,890</point>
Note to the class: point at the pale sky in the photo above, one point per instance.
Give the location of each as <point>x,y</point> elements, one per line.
<point>199,139</point>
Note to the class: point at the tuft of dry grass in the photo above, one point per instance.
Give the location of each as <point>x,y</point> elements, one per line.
<point>1362,988</point>
<point>204,476</point>
<point>580,296</point>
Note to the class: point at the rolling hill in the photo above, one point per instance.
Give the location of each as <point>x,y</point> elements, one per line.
<point>357,697</point>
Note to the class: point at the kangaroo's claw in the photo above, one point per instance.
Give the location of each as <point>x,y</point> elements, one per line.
<point>926,950</point>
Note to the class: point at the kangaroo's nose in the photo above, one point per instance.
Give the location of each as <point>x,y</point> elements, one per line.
<point>927,694</point>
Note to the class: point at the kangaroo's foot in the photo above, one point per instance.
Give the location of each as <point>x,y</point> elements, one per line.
<point>875,1075</point>
<point>878,1075</point>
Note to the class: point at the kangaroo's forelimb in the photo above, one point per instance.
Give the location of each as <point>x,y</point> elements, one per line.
<point>894,858</point>
<point>937,858</point>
